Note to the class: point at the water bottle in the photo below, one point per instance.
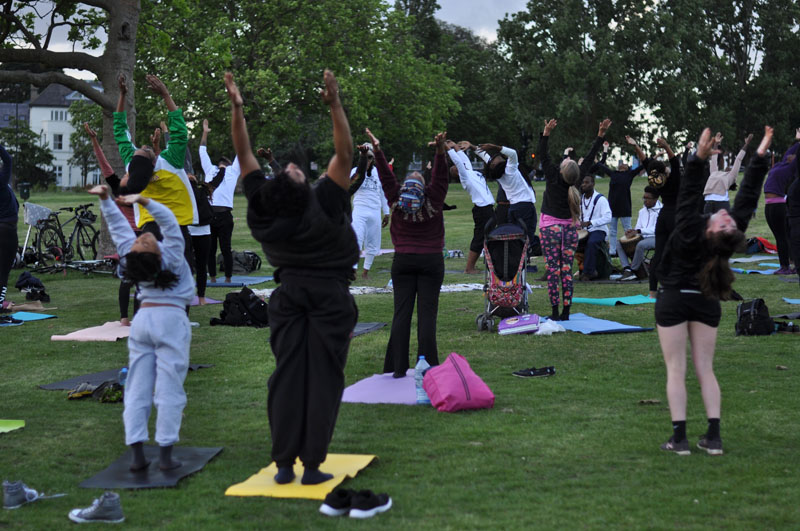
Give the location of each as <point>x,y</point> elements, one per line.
<point>123,376</point>
<point>419,373</point>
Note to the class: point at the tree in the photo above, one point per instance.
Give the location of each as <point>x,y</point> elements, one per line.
<point>82,150</point>
<point>32,157</point>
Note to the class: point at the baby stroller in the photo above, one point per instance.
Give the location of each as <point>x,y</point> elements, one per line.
<point>505,252</point>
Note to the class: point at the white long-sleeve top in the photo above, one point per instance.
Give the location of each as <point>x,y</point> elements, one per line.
<point>719,181</point>
<point>514,185</point>
<point>172,258</point>
<point>598,214</point>
<point>370,195</point>
<point>471,181</point>
<point>223,195</point>
<point>646,222</point>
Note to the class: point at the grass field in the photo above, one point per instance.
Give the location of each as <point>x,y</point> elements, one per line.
<point>577,450</point>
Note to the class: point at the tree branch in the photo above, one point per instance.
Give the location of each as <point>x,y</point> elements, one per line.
<point>107,5</point>
<point>46,78</point>
<point>78,60</point>
<point>13,20</point>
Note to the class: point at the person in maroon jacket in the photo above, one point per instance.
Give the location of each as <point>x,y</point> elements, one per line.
<point>417,232</point>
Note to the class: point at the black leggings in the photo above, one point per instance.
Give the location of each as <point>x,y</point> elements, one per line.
<point>664,227</point>
<point>794,241</point>
<point>8,253</point>
<point>776,219</point>
<point>222,230</point>
<point>125,287</point>
<point>201,245</point>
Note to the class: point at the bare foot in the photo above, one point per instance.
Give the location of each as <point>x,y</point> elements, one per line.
<point>213,280</point>
<point>365,274</point>
<point>227,280</point>
<point>125,321</point>
<point>201,301</point>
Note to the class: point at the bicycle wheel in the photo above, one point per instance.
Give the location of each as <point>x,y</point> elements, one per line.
<point>49,246</point>
<point>86,242</point>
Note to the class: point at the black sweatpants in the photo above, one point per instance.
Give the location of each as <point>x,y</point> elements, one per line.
<point>794,241</point>
<point>778,224</point>
<point>222,231</point>
<point>664,227</point>
<point>481,216</point>
<point>415,278</point>
<point>8,253</point>
<point>311,319</point>
<point>200,245</point>
<point>124,296</point>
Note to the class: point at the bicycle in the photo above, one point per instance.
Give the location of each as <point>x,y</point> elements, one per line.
<point>53,247</point>
<point>107,266</point>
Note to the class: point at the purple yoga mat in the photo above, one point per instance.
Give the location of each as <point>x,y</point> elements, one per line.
<point>209,300</point>
<point>383,389</point>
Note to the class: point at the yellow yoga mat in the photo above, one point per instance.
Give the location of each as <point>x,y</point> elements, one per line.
<point>11,425</point>
<point>341,466</point>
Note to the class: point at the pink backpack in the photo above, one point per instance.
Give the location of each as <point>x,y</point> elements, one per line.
<point>453,386</point>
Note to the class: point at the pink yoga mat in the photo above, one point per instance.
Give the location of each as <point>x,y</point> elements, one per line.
<point>111,331</point>
<point>383,389</point>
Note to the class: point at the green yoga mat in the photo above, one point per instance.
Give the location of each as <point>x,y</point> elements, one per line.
<point>615,301</point>
<point>11,425</point>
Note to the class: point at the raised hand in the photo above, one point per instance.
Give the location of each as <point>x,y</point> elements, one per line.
<point>630,141</point>
<point>465,145</point>
<point>603,128</point>
<point>362,149</point>
<point>122,84</point>
<point>748,138</point>
<point>662,143</point>
<point>718,138</point>
<point>164,128</point>
<point>705,144</point>
<point>206,129</point>
<point>156,85</point>
<point>375,142</point>
<point>549,126</point>
<point>155,141</point>
<point>488,147</point>
<point>89,130</point>
<point>440,140</point>
<point>797,134</point>
<point>100,190</point>
<point>451,145</point>
<point>330,94</point>
<point>766,141</point>
<point>233,91</point>
<point>265,153</point>
<point>131,199</point>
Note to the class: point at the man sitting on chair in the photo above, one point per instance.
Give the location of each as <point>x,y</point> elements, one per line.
<point>595,216</point>
<point>646,229</point>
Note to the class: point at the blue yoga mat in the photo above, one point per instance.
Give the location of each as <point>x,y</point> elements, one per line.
<point>615,301</point>
<point>791,301</point>
<point>769,264</point>
<point>580,322</point>
<point>237,281</point>
<point>30,316</point>
<point>753,271</point>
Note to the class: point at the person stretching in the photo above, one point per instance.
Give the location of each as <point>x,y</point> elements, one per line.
<point>780,177</point>
<point>305,233</point>
<point>370,209</point>
<point>417,231</point>
<point>720,181</point>
<point>9,216</point>
<point>695,275</point>
<point>561,214</point>
<point>160,337</point>
<point>483,202</point>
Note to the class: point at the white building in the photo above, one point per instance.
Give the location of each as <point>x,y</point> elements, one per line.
<point>49,116</point>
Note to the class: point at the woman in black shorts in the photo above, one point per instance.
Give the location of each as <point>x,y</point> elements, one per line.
<point>695,276</point>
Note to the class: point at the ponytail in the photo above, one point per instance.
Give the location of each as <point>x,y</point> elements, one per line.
<point>716,278</point>
<point>574,199</point>
<point>571,174</point>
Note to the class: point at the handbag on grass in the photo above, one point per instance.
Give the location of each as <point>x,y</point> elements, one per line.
<point>453,386</point>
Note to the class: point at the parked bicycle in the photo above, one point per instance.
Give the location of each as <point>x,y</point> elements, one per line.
<point>52,246</point>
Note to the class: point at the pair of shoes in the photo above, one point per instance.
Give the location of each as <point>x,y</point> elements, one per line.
<point>16,494</point>
<point>711,446</point>
<point>107,508</point>
<point>7,319</point>
<point>784,271</point>
<point>680,448</point>
<point>534,372</point>
<point>361,504</point>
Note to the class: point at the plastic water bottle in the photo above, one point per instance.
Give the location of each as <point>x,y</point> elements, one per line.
<point>419,373</point>
<point>123,376</point>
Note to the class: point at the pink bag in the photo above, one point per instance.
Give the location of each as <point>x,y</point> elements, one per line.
<point>453,386</point>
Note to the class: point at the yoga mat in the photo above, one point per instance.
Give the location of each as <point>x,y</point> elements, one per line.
<point>209,300</point>
<point>769,264</point>
<point>383,389</point>
<point>111,331</point>
<point>791,301</point>
<point>11,425</point>
<point>30,306</point>
<point>382,251</point>
<point>96,378</point>
<point>119,476</point>
<point>795,315</point>
<point>237,281</point>
<point>615,301</point>
<point>585,324</point>
<point>27,316</point>
<point>341,466</point>
<point>753,271</point>
<point>754,258</point>
<point>365,328</point>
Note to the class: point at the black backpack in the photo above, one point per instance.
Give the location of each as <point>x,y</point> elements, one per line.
<point>243,308</point>
<point>752,319</point>
<point>243,262</point>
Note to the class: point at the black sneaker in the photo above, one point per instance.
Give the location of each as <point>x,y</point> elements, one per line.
<point>712,446</point>
<point>367,504</point>
<point>534,372</point>
<point>337,502</point>
<point>680,448</point>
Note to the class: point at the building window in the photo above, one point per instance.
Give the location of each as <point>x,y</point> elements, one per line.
<point>59,172</point>
<point>58,142</point>
<point>58,116</point>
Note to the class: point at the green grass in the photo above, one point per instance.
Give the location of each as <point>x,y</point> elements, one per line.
<point>573,451</point>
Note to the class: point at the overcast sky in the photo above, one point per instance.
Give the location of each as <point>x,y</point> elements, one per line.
<point>480,16</point>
